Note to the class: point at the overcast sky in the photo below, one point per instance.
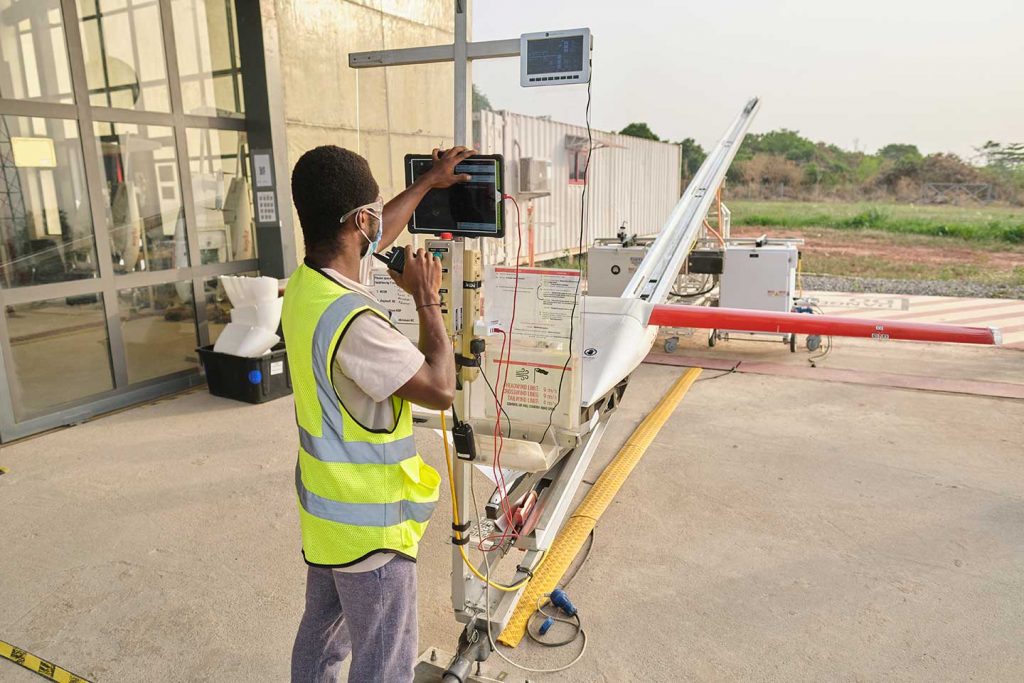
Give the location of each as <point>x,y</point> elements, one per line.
<point>942,74</point>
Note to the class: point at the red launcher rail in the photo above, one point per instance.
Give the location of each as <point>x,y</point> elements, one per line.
<point>825,325</point>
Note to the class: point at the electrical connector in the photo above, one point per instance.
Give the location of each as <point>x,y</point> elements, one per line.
<point>486,328</point>
<point>560,599</point>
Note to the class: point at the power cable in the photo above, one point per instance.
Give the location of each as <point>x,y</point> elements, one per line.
<point>501,408</point>
<point>579,253</point>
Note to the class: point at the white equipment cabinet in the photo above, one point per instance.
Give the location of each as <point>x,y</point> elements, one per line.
<point>760,278</point>
<point>610,267</point>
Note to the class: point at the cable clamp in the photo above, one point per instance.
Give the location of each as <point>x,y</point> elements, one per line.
<point>460,541</point>
<point>461,528</point>
<point>467,361</point>
<point>525,570</point>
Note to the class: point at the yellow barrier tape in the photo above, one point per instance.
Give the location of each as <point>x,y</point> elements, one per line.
<point>571,538</point>
<point>38,665</point>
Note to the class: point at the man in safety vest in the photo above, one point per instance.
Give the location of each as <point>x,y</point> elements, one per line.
<point>364,493</point>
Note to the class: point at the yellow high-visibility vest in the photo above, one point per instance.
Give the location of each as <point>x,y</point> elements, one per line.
<point>360,490</point>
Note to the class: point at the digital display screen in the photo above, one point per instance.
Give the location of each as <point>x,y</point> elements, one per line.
<point>470,208</point>
<point>555,55</point>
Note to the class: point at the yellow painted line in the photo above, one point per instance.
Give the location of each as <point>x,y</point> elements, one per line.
<point>38,665</point>
<point>570,540</point>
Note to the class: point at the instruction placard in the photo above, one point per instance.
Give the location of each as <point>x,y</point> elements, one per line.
<point>538,377</point>
<point>544,300</point>
<point>398,302</point>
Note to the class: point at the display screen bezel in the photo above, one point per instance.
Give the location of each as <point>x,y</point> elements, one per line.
<point>417,224</point>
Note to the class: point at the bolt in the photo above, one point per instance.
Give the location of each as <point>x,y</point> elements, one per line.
<point>433,655</point>
<point>478,668</point>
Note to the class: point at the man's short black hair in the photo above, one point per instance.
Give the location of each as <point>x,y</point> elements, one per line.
<point>327,183</point>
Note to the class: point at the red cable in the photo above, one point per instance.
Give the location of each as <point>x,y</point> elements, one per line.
<point>499,478</point>
<point>499,475</point>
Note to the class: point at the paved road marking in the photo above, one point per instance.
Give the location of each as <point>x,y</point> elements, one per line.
<point>1002,313</point>
<point>38,665</point>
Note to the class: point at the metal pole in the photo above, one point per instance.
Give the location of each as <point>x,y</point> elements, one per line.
<point>461,70</point>
<point>461,470</point>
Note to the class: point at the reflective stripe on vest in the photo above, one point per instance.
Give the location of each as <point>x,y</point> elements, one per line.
<point>357,452</point>
<point>361,514</point>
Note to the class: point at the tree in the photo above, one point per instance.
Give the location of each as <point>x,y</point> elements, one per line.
<point>947,168</point>
<point>693,156</point>
<point>769,169</point>
<point>639,130</point>
<point>897,152</point>
<point>1008,156</point>
<point>783,142</point>
<point>480,101</point>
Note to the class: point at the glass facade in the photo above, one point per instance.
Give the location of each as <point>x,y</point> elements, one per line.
<point>46,232</point>
<point>222,195</point>
<point>123,45</point>
<point>60,352</point>
<point>142,196</point>
<point>159,329</point>
<point>208,59</point>
<point>33,53</point>
<point>124,195</point>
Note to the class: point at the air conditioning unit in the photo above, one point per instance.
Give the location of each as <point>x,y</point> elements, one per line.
<point>534,177</point>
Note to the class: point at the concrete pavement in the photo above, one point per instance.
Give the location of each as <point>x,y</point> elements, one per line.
<point>778,529</point>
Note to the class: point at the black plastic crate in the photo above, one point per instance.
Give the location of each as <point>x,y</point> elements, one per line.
<point>253,380</point>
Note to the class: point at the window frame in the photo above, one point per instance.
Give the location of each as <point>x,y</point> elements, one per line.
<point>260,124</point>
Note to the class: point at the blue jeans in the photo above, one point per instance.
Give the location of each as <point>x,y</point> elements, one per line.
<point>371,615</point>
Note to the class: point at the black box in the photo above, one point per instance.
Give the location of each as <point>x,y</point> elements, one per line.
<point>253,380</point>
<point>705,262</point>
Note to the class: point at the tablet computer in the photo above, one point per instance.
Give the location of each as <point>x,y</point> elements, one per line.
<point>475,208</point>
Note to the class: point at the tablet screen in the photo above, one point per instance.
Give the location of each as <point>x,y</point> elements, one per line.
<point>472,208</point>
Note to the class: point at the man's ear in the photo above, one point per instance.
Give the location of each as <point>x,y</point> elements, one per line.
<point>362,221</point>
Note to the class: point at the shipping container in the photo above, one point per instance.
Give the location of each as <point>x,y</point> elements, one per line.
<point>629,180</point>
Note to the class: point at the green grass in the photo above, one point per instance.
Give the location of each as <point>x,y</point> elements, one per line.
<point>879,267</point>
<point>981,224</point>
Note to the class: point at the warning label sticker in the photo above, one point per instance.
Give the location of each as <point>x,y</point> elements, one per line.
<point>534,389</point>
<point>544,300</point>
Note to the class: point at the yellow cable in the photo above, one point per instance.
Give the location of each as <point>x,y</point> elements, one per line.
<point>458,521</point>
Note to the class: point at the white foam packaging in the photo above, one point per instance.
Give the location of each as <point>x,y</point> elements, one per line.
<point>255,316</point>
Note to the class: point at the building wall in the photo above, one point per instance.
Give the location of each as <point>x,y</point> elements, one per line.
<point>381,113</point>
<point>630,179</point>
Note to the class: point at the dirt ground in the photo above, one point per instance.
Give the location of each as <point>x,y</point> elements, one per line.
<point>867,253</point>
